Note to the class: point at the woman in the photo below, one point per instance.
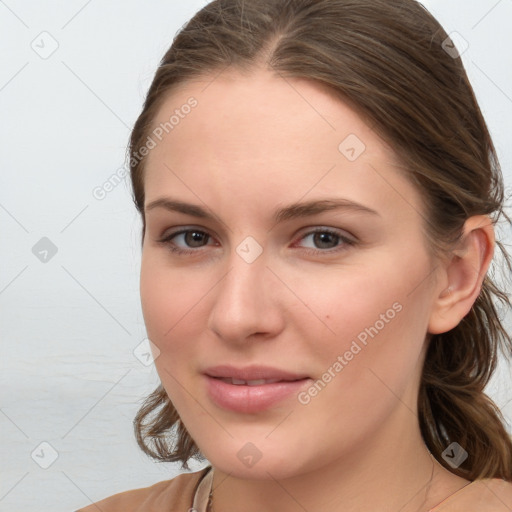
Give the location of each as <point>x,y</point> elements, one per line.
<point>319,190</point>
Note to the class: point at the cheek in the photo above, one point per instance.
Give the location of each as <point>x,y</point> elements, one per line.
<point>169,300</point>
<point>377,358</point>
<point>349,304</point>
<point>373,319</point>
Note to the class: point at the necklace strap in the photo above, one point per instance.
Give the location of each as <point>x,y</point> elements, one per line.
<point>202,497</point>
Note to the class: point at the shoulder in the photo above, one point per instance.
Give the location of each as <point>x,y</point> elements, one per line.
<point>484,495</point>
<point>174,494</point>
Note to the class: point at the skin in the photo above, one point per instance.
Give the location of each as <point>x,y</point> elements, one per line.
<point>255,143</point>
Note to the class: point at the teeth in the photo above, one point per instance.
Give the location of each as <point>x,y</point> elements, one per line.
<point>257,382</point>
<point>240,382</point>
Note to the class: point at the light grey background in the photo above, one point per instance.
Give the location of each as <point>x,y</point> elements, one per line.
<point>69,326</point>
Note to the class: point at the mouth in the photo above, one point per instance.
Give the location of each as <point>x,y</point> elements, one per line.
<point>251,389</point>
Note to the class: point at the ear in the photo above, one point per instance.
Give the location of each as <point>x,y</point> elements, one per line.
<point>461,276</point>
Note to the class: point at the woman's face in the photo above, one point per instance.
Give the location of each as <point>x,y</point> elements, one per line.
<point>289,337</point>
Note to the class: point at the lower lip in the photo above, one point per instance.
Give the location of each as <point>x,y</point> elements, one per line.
<point>250,399</point>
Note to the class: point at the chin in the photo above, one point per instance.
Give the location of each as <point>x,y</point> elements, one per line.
<point>269,469</point>
<point>258,461</point>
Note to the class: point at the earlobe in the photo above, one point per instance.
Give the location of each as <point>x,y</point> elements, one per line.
<point>463,275</point>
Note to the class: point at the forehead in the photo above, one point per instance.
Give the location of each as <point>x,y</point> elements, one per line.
<point>233,107</point>
<point>264,135</point>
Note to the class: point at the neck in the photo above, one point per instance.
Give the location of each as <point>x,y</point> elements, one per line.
<point>385,474</point>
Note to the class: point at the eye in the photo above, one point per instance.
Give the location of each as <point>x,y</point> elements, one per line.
<point>191,237</point>
<point>327,240</point>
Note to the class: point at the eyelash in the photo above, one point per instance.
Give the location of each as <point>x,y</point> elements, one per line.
<point>166,241</point>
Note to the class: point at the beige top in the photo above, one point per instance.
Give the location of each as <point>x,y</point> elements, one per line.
<point>191,491</point>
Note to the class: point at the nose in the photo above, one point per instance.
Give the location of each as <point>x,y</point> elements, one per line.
<point>247,302</point>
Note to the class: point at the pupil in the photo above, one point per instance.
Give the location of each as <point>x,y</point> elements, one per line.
<point>321,238</point>
<point>194,236</point>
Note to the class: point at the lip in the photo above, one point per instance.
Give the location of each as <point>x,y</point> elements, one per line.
<point>253,398</point>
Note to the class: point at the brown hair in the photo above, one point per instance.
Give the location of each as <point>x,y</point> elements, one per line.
<point>388,60</point>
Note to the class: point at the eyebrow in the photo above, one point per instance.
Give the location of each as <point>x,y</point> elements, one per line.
<point>292,211</point>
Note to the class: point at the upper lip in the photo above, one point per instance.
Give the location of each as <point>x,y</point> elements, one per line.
<point>253,372</point>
